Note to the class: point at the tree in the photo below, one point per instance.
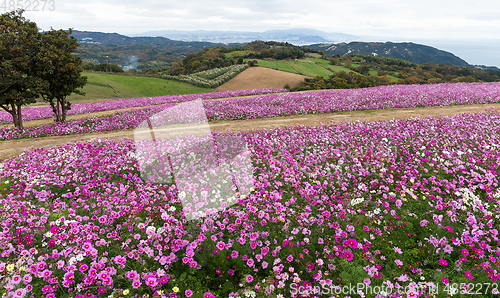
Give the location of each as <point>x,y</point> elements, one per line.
<point>20,42</point>
<point>61,70</point>
<point>107,67</point>
<point>88,66</point>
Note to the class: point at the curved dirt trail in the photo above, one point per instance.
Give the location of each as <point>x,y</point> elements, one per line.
<point>13,148</point>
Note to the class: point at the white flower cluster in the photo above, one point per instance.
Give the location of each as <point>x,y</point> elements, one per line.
<point>249,293</point>
<point>471,200</point>
<point>357,201</point>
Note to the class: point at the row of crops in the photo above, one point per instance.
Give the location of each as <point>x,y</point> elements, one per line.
<point>212,78</point>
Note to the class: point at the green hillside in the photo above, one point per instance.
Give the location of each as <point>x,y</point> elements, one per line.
<point>310,67</point>
<point>110,86</point>
<point>359,71</point>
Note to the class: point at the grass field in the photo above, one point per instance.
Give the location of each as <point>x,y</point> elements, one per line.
<point>303,67</point>
<point>310,67</point>
<point>279,65</point>
<point>127,86</point>
<point>319,60</point>
<point>336,68</point>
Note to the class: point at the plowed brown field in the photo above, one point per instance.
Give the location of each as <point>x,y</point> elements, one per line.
<point>261,77</point>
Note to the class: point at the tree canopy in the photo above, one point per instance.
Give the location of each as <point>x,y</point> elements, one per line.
<point>61,70</point>
<point>36,64</point>
<point>20,43</point>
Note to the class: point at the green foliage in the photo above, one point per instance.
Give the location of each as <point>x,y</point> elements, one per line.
<point>265,49</point>
<point>106,67</point>
<point>210,78</point>
<point>360,71</point>
<point>205,59</point>
<point>61,70</point>
<point>4,184</point>
<point>19,64</point>
<point>140,55</point>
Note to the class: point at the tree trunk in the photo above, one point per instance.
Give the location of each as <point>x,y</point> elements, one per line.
<point>14,115</point>
<point>57,111</point>
<point>54,109</point>
<point>19,117</point>
<point>63,109</point>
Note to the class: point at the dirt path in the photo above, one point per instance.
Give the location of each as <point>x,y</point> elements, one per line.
<point>14,148</point>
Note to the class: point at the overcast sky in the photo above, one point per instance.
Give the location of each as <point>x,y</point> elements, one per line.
<point>418,20</point>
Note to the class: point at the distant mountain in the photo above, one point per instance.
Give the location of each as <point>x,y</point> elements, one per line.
<point>160,51</point>
<point>139,53</point>
<point>293,36</point>
<point>487,67</point>
<point>412,52</point>
<point>115,39</point>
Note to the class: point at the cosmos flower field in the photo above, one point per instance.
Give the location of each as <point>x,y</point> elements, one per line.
<point>404,205</point>
<point>36,113</point>
<point>274,105</point>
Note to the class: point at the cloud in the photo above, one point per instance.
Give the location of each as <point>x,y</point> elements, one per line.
<point>456,19</point>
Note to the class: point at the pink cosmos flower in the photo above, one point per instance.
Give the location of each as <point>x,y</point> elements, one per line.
<point>348,255</point>
<point>249,278</point>
<point>250,262</point>
<point>20,293</point>
<point>424,222</point>
<point>221,245</point>
<point>132,274</point>
<point>151,281</point>
<point>47,289</point>
<point>136,284</point>
<point>16,279</point>
<point>443,262</point>
<point>188,293</point>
